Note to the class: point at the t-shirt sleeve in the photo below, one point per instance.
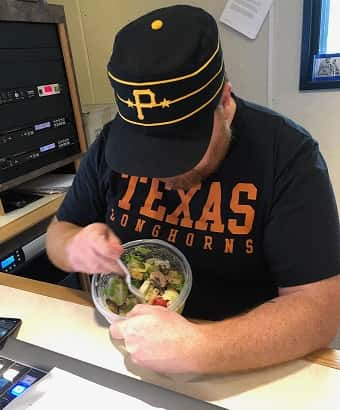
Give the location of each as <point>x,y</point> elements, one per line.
<point>302,235</point>
<point>85,201</point>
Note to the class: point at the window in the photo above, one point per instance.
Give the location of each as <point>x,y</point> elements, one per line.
<point>320,51</point>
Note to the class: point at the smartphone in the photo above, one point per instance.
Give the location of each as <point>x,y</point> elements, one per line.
<point>8,326</point>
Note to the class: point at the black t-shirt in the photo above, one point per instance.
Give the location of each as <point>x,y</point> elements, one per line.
<point>267,217</point>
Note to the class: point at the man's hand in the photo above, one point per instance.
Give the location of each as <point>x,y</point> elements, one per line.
<point>93,249</point>
<point>161,340</point>
<point>301,320</point>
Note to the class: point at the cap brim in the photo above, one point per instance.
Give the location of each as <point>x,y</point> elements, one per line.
<point>158,153</point>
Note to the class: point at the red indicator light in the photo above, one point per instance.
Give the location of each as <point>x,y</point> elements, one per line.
<point>48,89</point>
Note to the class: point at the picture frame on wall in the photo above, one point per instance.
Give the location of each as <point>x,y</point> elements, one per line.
<point>326,67</point>
<point>320,59</point>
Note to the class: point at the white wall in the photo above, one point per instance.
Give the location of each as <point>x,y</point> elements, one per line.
<point>318,111</point>
<point>267,71</point>
<point>245,59</point>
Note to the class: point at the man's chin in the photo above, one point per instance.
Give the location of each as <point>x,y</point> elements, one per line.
<point>185,182</point>
<point>176,187</point>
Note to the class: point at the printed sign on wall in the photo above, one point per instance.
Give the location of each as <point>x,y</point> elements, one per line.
<point>246,16</point>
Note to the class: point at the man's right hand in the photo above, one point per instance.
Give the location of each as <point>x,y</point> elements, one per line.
<point>93,249</point>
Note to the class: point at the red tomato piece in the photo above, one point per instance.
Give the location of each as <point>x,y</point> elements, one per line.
<point>159,301</point>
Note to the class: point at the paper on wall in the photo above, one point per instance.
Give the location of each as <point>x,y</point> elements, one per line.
<point>246,16</point>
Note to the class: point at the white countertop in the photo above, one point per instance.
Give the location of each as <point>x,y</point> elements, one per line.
<point>78,331</point>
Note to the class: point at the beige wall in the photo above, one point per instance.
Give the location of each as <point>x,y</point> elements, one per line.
<point>78,48</point>
<point>93,24</point>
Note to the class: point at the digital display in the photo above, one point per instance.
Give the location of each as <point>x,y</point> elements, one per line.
<point>17,390</point>
<point>3,332</point>
<point>10,374</point>
<point>3,382</point>
<point>8,261</point>
<point>28,380</point>
<point>47,147</point>
<point>42,126</point>
<point>48,89</point>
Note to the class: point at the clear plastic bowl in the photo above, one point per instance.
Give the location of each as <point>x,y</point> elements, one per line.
<point>159,249</point>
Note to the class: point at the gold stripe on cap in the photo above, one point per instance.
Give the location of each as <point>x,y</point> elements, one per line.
<point>157,124</point>
<point>166,103</point>
<point>200,89</point>
<point>171,80</point>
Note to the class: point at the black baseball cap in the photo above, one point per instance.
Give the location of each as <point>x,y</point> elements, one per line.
<point>167,73</point>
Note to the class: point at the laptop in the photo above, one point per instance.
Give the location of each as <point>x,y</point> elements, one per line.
<point>23,364</point>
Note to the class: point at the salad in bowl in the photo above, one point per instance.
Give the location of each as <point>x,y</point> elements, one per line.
<point>158,270</point>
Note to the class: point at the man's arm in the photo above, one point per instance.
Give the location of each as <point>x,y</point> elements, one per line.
<point>58,235</point>
<point>89,249</point>
<point>301,320</point>
<point>82,244</point>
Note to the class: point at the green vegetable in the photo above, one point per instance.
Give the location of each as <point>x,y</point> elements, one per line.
<point>136,283</point>
<point>130,303</point>
<point>135,262</point>
<point>112,306</point>
<point>156,278</point>
<point>116,290</point>
<point>149,267</point>
<point>178,287</point>
<point>132,258</point>
<point>142,250</point>
<point>175,277</point>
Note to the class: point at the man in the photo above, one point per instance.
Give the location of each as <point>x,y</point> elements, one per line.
<point>243,192</point>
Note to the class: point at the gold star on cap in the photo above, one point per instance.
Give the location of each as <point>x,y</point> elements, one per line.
<point>165,103</point>
<point>130,103</point>
<point>157,25</point>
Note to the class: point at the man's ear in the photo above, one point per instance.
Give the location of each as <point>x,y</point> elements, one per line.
<point>226,100</point>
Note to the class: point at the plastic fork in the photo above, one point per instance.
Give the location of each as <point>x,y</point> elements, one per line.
<point>127,277</point>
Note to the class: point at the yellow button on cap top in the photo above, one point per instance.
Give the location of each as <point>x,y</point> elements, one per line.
<point>157,25</point>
